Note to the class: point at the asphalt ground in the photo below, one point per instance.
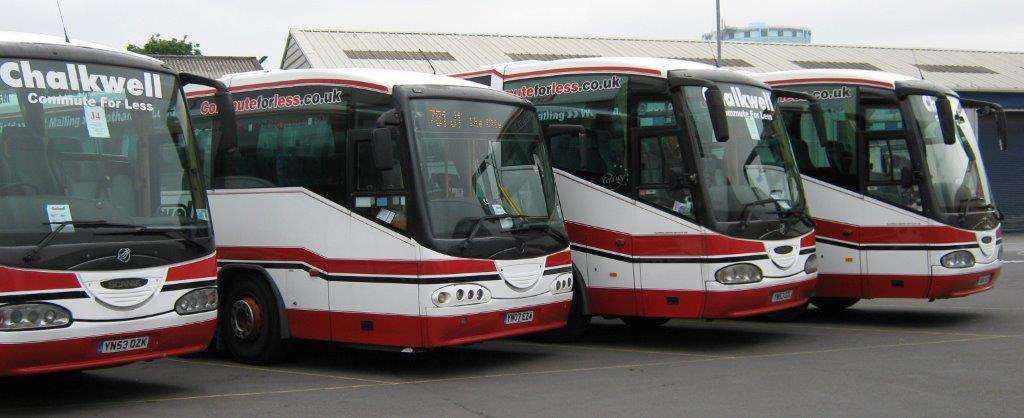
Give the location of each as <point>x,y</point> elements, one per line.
<point>960,357</point>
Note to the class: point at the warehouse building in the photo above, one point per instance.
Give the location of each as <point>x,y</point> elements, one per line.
<point>985,75</point>
<point>212,66</point>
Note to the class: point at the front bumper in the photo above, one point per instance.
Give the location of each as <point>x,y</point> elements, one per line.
<point>83,353</point>
<point>757,300</point>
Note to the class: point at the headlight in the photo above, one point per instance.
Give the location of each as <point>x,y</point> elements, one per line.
<point>562,284</point>
<point>958,260</point>
<point>196,301</point>
<point>739,274</point>
<point>29,316</point>
<point>460,295</point>
<point>811,265</point>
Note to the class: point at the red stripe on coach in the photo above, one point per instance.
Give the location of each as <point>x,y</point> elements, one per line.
<point>16,280</point>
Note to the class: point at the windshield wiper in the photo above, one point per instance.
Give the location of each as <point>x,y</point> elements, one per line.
<point>32,253</point>
<point>476,228</point>
<point>966,207</point>
<point>745,212</point>
<point>145,230</point>
<point>540,226</point>
<point>800,215</point>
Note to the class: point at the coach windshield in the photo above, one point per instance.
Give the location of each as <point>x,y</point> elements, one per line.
<point>96,154</point>
<point>751,182</point>
<point>488,179</point>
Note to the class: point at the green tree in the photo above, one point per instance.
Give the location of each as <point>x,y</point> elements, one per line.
<point>157,45</point>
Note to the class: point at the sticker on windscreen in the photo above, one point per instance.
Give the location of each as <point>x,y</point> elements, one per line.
<point>57,214</point>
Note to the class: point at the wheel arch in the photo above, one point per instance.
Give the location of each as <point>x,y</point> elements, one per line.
<point>581,284</point>
<point>233,272</point>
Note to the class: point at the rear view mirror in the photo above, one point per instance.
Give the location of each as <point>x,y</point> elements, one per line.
<point>985,108</point>
<point>383,157</point>
<point>716,108</point>
<point>946,121</point>
<point>225,108</point>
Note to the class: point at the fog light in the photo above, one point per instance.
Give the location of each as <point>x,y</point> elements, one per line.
<point>30,316</point>
<point>460,295</point>
<point>958,260</point>
<point>811,265</point>
<point>739,274</point>
<point>197,301</point>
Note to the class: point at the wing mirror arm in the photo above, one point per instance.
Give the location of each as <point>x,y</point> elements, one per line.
<point>985,108</point>
<point>225,108</point>
<point>714,98</point>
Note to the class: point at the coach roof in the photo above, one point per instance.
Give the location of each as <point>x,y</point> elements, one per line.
<point>38,46</point>
<point>374,79</point>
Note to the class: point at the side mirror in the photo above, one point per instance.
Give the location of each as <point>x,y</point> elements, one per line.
<point>716,107</point>
<point>383,158</point>
<point>225,108</point>
<point>985,108</point>
<point>946,121</point>
<point>907,178</point>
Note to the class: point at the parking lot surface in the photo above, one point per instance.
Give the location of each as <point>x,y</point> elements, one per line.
<point>884,357</point>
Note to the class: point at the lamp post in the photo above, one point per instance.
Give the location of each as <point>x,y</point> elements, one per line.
<point>718,32</point>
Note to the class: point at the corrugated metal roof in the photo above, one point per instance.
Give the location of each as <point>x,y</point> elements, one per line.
<point>212,66</point>
<point>325,48</point>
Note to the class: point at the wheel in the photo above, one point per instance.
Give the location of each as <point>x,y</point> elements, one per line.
<point>833,305</point>
<point>250,325</point>
<point>577,323</point>
<point>643,322</point>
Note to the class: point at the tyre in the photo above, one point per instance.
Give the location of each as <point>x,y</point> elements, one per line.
<point>250,323</point>
<point>833,305</point>
<point>643,322</point>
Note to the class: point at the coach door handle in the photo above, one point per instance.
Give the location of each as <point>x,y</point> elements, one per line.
<point>620,242</point>
<point>847,232</point>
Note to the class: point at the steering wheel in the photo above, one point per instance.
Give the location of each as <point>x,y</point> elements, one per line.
<point>4,188</point>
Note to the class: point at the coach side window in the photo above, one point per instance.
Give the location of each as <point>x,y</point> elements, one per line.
<point>598,103</point>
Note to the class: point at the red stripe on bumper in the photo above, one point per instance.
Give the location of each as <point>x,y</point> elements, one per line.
<point>696,303</point>
<point>903,286</point>
<point>83,353</point>
<point>421,331</point>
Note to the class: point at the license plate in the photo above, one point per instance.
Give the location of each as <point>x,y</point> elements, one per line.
<point>127,344</point>
<point>984,280</point>
<point>518,317</point>
<point>782,296</point>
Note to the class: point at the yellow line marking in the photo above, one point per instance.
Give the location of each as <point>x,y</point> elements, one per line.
<point>941,307</point>
<point>276,370</point>
<point>864,329</point>
<point>602,348</point>
<point>531,373</point>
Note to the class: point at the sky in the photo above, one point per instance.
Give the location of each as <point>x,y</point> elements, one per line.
<point>260,27</point>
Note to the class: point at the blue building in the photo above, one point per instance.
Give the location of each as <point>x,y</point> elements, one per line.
<point>763,32</point>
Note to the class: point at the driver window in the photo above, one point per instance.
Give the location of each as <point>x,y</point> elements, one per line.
<point>662,175</point>
<point>890,175</point>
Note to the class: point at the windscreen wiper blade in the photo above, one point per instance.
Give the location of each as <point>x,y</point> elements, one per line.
<point>32,253</point>
<point>541,226</point>
<point>745,212</point>
<point>800,215</point>
<point>476,228</point>
<point>146,230</point>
